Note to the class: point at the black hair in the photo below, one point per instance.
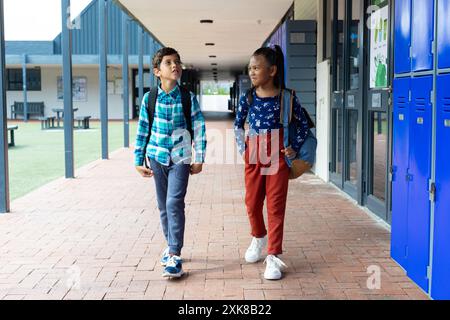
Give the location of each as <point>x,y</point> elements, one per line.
<point>161,53</point>
<point>274,57</point>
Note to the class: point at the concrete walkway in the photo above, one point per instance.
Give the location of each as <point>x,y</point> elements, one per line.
<point>98,237</point>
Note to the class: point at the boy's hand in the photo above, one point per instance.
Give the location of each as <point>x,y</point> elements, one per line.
<point>143,171</point>
<point>196,168</point>
<point>290,153</point>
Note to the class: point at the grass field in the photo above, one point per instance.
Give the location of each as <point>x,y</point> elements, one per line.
<point>38,156</point>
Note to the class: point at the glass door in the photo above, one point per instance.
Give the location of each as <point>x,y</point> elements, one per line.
<point>378,119</point>
<point>337,101</point>
<point>346,96</point>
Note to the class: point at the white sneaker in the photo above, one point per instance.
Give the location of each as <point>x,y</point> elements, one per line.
<point>274,268</point>
<point>253,253</point>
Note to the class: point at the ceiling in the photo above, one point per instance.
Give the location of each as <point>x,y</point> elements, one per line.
<point>239,28</point>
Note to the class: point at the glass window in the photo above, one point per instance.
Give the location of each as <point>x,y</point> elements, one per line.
<point>354,46</point>
<point>340,46</point>
<point>351,145</point>
<point>337,137</point>
<point>14,79</point>
<point>379,122</point>
<point>379,43</point>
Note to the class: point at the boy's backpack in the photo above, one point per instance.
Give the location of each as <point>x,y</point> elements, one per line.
<point>187,110</point>
<point>297,166</point>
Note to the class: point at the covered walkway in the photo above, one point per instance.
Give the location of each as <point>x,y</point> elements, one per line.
<point>98,237</point>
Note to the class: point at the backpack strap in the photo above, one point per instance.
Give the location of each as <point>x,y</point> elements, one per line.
<point>151,105</point>
<point>187,109</point>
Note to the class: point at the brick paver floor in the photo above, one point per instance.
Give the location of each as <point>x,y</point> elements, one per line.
<point>98,237</point>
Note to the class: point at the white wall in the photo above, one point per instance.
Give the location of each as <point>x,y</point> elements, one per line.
<point>214,103</point>
<point>323,120</point>
<point>89,108</point>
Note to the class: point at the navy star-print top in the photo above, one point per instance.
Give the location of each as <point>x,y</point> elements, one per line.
<point>264,116</point>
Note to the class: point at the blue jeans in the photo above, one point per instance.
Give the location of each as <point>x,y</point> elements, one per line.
<point>171,187</point>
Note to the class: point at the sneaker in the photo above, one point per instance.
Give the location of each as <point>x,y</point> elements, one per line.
<point>165,257</point>
<point>253,253</point>
<point>274,268</point>
<point>174,268</point>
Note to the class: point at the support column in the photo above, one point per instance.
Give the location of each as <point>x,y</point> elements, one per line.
<point>125,77</point>
<point>103,47</point>
<point>24,86</point>
<point>4,172</point>
<point>141,63</point>
<point>67,86</point>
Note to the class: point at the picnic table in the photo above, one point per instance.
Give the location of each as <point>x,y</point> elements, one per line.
<point>11,130</point>
<point>60,111</point>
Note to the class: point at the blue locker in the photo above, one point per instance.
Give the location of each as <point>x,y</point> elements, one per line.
<point>443,34</point>
<point>422,35</point>
<point>399,236</point>
<point>402,36</point>
<point>440,288</point>
<point>420,147</point>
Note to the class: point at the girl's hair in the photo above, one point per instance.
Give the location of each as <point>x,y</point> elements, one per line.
<point>274,57</point>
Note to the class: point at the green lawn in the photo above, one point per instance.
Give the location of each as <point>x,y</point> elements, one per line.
<point>38,156</point>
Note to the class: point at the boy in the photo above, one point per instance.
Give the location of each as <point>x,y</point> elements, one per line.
<point>169,150</point>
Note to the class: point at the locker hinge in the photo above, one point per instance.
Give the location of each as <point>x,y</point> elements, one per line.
<point>428,272</point>
<point>432,188</point>
<point>432,47</point>
<point>410,95</point>
<point>391,174</point>
<point>432,98</point>
<point>410,52</point>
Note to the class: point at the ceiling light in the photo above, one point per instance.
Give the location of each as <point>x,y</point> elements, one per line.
<point>214,64</point>
<point>213,56</point>
<point>206,21</point>
<point>210,44</point>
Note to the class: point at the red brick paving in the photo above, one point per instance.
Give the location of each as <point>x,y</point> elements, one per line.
<point>98,237</point>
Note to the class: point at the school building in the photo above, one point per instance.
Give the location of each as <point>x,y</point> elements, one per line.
<point>373,74</point>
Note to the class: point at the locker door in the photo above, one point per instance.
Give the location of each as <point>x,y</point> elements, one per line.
<point>402,36</point>
<point>400,167</point>
<point>441,253</point>
<point>420,173</point>
<point>443,35</point>
<point>422,35</point>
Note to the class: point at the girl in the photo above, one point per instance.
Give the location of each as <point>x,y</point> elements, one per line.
<point>262,104</point>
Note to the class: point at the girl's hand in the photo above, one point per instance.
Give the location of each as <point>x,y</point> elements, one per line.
<point>143,171</point>
<point>290,153</point>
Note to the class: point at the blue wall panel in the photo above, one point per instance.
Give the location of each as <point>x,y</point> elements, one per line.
<point>399,235</point>
<point>422,35</point>
<point>421,123</point>
<point>443,35</point>
<point>402,36</point>
<point>441,249</point>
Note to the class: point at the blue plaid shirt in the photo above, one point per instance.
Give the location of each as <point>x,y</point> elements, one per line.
<point>169,140</point>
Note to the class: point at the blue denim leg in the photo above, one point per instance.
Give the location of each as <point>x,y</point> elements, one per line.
<point>161,177</point>
<point>171,187</point>
<point>175,205</point>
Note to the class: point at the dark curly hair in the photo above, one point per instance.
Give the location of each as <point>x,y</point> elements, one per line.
<point>161,53</point>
